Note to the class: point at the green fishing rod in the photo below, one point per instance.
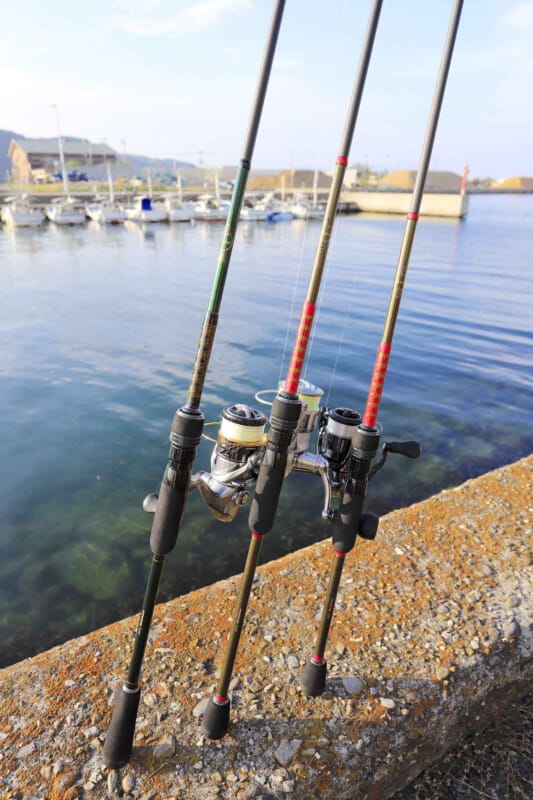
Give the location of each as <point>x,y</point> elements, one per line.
<point>287,408</point>
<point>351,520</point>
<point>185,435</point>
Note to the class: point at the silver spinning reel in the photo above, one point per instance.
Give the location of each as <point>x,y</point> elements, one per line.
<point>240,444</point>
<point>235,461</point>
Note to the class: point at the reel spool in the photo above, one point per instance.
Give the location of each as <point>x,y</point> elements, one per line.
<point>335,441</point>
<point>310,395</point>
<point>241,434</point>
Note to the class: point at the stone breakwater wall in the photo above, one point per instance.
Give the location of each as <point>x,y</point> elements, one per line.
<point>431,639</point>
<point>433,204</point>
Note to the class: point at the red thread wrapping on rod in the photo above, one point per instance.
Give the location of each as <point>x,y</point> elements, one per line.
<point>376,385</point>
<point>342,160</point>
<point>412,215</point>
<point>300,348</point>
<point>257,535</point>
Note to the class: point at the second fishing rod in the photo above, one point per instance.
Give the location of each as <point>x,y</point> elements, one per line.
<point>288,414</point>
<point>186,431</point>
<point>352,520</point>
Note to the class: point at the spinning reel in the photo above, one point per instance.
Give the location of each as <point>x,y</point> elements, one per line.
<point>240,445</point>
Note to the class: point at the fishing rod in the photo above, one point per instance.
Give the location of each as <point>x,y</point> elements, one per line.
<point>351,520</point>
<point>294,415</point>
<point>186,431</point>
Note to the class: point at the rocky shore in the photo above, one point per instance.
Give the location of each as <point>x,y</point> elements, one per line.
<point>431,639</point>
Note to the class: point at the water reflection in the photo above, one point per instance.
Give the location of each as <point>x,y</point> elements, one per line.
<point>99,331</point>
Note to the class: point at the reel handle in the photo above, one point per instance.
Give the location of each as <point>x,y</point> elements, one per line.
<point>408,449</point>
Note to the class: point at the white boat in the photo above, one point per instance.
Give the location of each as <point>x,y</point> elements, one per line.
<point>143,211</point>
<point>106,210</point>
<point>211,209</point>
<point>252,212</point>
<point>19,213</point>
<point>303,209</point>
<point>65,211</point>
<point>177,210</point>
<point>275,210</point>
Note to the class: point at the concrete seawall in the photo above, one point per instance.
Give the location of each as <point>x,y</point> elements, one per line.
<point>433,205</point>
<point>431,639</point>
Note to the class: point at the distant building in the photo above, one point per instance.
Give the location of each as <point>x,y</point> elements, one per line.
<point>291,180</point>
<point>404,179</point>
<point>30,157</point>
<point>516,182</point>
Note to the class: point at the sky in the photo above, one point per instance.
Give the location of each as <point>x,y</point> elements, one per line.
<point>176,79</point>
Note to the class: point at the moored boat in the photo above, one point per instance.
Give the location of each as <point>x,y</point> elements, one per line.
<point>65,211</point>
<point>211,209</point>
<point>19,213</point>
<point>144,211</point>
<point>177,210</point>
<point>251,211</point>
<point>276,210</point>
<point>303,209</point>
<point>106,211</point>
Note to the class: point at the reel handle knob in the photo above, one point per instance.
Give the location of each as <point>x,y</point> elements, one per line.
<point>408,449</point>
<point>150,503</point>
<point>368,526</point>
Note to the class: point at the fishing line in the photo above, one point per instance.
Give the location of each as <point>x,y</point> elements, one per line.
<point>334,70</point>
<point>291,310</point>
<point>319,152</point>
<point>321,296</point>
<point>343,333</point>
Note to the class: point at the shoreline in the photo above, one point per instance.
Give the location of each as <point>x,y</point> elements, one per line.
<point>432,618</point>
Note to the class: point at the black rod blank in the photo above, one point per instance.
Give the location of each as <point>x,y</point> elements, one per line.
<point>185,437</point>
<point>283,420</point>
<point>351,518</point>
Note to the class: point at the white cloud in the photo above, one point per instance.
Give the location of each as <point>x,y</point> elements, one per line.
<point>197,16</point>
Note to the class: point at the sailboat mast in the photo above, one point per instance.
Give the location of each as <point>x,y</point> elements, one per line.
<point>110,182</point>
<point>61,154</point>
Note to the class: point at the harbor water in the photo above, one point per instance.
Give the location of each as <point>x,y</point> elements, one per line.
<point>99,328</point>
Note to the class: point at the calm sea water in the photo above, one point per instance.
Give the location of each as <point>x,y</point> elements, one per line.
<point>99,328</point>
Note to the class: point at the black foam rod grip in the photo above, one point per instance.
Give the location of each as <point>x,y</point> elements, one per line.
<point>168,514</point>
<point>266,497</point>
<point>119,739</point>
<point>347,522</point>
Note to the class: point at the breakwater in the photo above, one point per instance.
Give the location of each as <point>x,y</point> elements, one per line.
<point>431,639</point>
<point>433,204</point>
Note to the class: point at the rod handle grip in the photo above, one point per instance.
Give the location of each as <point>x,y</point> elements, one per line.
<point>168,514</point>
<point>267,493</point>
<point>119,739</point>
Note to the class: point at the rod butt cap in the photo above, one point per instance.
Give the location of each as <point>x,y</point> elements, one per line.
<point>313,677</point>
<point>119,740</point>
<point>215,721</point>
